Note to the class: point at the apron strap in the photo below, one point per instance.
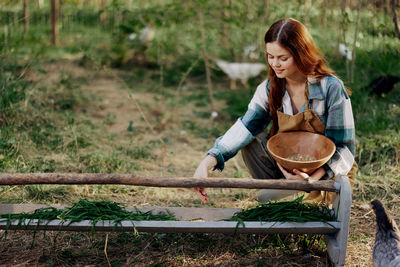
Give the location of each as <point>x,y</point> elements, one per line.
<point>306,96</point>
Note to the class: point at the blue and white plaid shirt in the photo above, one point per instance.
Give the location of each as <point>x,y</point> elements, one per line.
<point>327,97</point>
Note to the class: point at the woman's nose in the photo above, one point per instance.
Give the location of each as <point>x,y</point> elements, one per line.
<point>275,63</point>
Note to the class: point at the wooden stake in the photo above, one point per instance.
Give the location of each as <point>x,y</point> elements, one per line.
<point>307,6</point>
<point>353,58</point>
<point>396,25</point>
<point>224,15</point>
<point>324,8</point>
<point>103,15</point>
<point>185,182</point>
<point>343,9</point>
<point>53,18</point>
<point>26,16</point>
<point>204,53</point>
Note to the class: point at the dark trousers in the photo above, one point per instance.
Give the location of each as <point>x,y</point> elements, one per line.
<point>261,165</point>
<point>259,161</point>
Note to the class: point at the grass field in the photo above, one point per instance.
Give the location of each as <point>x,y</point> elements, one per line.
<point>98,103</point>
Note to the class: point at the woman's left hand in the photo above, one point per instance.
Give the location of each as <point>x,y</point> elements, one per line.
<point>299,175</point>
<point>296,175</point>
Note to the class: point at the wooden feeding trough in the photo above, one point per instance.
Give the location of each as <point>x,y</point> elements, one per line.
<point>195,220</point>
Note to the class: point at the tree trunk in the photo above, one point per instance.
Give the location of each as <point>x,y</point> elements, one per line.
<point>26,16</point>
<point>343,26</point>
<point>385,5</point>
<point>53,18</point>
<point>324,8</point>
<point>40,3</point>
<point>353,58</point>
<point>204,53</point>
<point>265,9</point>
<point>396,25</point>
<point>307,6</point>
<point>103,15</point>
<point>225,14</point>
<point>59,9</point>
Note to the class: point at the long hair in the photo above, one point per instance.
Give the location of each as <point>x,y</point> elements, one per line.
<point>294,37</point>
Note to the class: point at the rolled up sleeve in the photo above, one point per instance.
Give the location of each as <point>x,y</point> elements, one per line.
<point>340,129</point>
<point>242,132</point>
<point>227,146</point>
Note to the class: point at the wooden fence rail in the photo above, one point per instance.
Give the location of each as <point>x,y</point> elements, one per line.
<point>132,179</point>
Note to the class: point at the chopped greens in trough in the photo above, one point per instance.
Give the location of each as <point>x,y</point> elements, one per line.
<point>286,211</point>
<point>94,211</point>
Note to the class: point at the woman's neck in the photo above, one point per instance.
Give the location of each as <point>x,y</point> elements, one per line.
<point>296,89</point>
<point>296,86</point>
<point>296,81</point>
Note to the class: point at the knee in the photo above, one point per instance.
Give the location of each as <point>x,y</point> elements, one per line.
<point>248,151</point>
<point>257,145</point>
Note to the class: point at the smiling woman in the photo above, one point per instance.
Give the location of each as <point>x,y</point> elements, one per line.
<point>283,65</point>
<point>280,60</point>
<point>301,93</point>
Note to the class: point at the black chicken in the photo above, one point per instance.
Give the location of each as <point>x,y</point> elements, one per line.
<point>382,84</point>
<point>386,251</point>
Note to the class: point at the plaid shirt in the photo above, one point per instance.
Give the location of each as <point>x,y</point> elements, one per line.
<point>330,101</point>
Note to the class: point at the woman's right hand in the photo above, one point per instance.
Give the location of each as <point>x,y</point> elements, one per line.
<point>202,172</point>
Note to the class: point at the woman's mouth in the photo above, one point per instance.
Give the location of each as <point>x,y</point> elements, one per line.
<point>278,71</point>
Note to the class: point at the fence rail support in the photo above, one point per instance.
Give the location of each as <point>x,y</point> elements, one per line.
<point>132,179</point>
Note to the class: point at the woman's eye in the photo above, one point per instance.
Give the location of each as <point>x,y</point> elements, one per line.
<point>284,59</point>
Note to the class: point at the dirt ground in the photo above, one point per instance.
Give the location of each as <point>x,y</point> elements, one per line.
<point>85,249</point>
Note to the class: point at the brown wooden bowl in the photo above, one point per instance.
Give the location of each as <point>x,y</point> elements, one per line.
<point>286,144</point>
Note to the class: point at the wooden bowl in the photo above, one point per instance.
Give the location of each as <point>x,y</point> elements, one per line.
<point>287,144</point>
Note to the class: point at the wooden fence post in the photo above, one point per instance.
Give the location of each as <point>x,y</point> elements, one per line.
<point>206,64</point>
<point>26,16</point>
<point>103,14</point>
<point>396,25</point>
<point>53,18</point>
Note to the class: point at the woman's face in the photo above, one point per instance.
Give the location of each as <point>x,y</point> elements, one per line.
<point>281,61</point>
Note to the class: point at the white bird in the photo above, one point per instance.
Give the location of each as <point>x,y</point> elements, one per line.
<point>146,35</point>
<point>345,51</point>
<point>249,52</point>
<point>240,71</point>
<point>141,42</point>
<point>132,36</point>
<point>214,114</point>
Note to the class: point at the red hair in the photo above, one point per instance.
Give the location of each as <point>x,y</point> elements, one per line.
<point>294,37</point>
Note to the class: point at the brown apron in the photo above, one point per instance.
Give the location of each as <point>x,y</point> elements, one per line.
<point>308,121</point>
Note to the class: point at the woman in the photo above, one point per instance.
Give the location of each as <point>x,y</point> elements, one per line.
<point>300,93</point>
